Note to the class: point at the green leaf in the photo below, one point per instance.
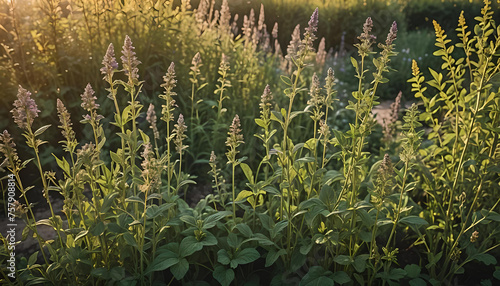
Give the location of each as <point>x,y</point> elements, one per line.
<point>223,257</point>
<point>32,259</point>
<point>412,270</point>
<point>224,275</point>
<point>245,256</point>
<point>273,255</point>
<point>433,259</point>
<point>243,195</point>
<point>360,262</point>
<point>162,262</point>
<point>298,260</point>
<point>134,199</point>
<point>129,239</point>
<point>180,269</point>
<point>115,158</point>
<point>115,228</point>
<point>343,259</point>
<point>490,215</point>
<point>248,172</point>
<point>354,63</point>
<point>40,130</point>
<point>117,273</point>
<point>211,220</point>
<point>485,258</point>
<point>317,276</point>
<point>63,164</point>
<point>98,229</point>
<point>189,245</point>
<point>278,228</point>
<point>100,273</point>
<point>244,229</point>
<point>496,274</point>
<point>82,234</point>
<point>417,282</point>
<point>413,221</point>
<point>341,277</point>
<point>108,201</point>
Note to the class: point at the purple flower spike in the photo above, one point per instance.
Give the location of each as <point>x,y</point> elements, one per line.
<point>25,109</point>
<point>129,60</point>
<point>109,62</point>
<point>313,22</point>
<point>392,34</point>
<point>88,99</point>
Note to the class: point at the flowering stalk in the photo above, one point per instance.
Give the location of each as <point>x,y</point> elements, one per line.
<point>195,73</point>
<point>265,121</point>
<point>8,148</point>
<point>218,180</point>
<point>234,140</point>
<point>179,132</point>
<point>24,113</point>
<point>69,144</point>
<point>330,97</point>
<point>130,63</point>
<point>297,53</point>
<point>169,82</point>
<point>365,100</point>
<point>224,84</point>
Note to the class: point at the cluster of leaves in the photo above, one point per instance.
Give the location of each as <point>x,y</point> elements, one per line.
<point>313,210</point>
